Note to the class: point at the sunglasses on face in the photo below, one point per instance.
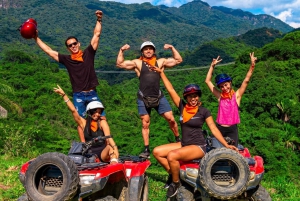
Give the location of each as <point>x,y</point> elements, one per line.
<point>70,45</point>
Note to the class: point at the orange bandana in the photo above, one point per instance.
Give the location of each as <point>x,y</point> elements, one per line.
<point>77,56</point>
<point>94,125</point>
<point>189,112</point>
<point>227,95</point>
<point>150,61</point>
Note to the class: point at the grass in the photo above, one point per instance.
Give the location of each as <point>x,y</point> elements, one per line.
<point>10,186</point>
<point>280,188</point>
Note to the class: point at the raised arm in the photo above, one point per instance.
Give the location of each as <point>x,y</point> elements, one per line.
<point>208,81</point>
<point>241,90</point>
<point>97,30</point>
<point>175,60</point>
<point>121,63</point>
<point>79,120</point>
<point>168,85</point>
<point>215,131</point>
<point>46,48</point>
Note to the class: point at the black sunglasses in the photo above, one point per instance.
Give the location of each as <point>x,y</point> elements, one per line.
<point>75,43</point>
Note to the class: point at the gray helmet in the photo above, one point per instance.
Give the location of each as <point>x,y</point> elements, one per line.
<point>94,105</point>
<point>147,43</point>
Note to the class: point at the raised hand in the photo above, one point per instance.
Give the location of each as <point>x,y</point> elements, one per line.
<point>125,47</point>
<point>99,14</point>
<point>168,46</point>
<point>253,59</point>
<point>59,90</point>
<point>216,61</point>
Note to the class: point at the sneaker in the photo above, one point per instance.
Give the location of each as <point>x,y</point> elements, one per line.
<point>145,154</point>
<point>169,181</point>
<point>173,189</point>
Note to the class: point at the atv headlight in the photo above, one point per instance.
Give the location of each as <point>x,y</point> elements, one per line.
<point>252,175</point>
<point>86,179</point>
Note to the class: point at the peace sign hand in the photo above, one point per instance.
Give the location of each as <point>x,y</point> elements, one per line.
<point>216,61</point>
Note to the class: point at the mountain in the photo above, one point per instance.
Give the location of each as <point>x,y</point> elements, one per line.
<point>185,27</point>
<point>226,20</point>
<point>229,48</point>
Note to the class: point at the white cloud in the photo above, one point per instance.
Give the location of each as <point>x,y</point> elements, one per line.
<point>283,15</point>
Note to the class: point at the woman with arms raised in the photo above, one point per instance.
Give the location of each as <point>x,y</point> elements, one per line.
<point>229,100</point>
<point>92,127</point>
<point>193,144</point>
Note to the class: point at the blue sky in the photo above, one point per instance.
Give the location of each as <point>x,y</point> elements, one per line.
<point>287,11</point>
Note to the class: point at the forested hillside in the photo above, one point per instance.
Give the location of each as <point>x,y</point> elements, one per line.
<point>230,48</point>
<point>125,23</point>
<point>270,113</point>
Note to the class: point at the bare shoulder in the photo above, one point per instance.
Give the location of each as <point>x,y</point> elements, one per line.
<point>160,62</point>
<point>138,63</point>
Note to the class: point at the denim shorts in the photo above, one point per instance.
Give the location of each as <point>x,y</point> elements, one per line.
<point>82,99</point>
<point>163,107</point>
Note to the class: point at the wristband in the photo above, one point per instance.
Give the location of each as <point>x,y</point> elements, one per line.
<point>114,160</point>
<point>177,138</point>
<point>67,100</point>
<point>63,95</point>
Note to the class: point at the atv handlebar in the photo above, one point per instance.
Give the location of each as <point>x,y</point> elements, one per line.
<point>95,140</point>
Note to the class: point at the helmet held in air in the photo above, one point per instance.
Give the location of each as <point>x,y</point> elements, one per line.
<point>32,21</point>
<point>191,89</point>
<point>28,28</point>
<point>222,78</point>
<point>94,105</point>
<point>147,43</point>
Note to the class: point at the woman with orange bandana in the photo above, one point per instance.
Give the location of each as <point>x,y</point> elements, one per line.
<point>193,143</point>
<point>93,126</point>
<point>229,100</point>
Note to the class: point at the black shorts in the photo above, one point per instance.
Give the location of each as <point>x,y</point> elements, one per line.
<point>98,150</point>
<point>231,131</point>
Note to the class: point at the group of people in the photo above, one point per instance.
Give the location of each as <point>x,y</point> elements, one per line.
<point>88,110</point>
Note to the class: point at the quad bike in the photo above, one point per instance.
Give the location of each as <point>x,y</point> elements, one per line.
<point>80,176</point>
<point>222,174</point>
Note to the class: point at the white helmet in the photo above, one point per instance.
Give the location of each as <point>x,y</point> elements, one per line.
<point>147,43</point>
<point>94,105</point>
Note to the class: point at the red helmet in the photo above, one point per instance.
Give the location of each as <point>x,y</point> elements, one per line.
<point>32,20</point>
<point>28,28</point>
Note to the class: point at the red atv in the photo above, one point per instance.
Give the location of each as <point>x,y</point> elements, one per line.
<point>222,174</point>
<point>78,176</point>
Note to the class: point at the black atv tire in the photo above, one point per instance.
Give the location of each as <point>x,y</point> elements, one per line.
<point>107,198</point>
<point>236,180</point>
<point>259,194</point>
<point>23,197</point>
<point>145,190</point>
<point>61,185</point>
<point>185,193</point>
<point>138,189</point>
